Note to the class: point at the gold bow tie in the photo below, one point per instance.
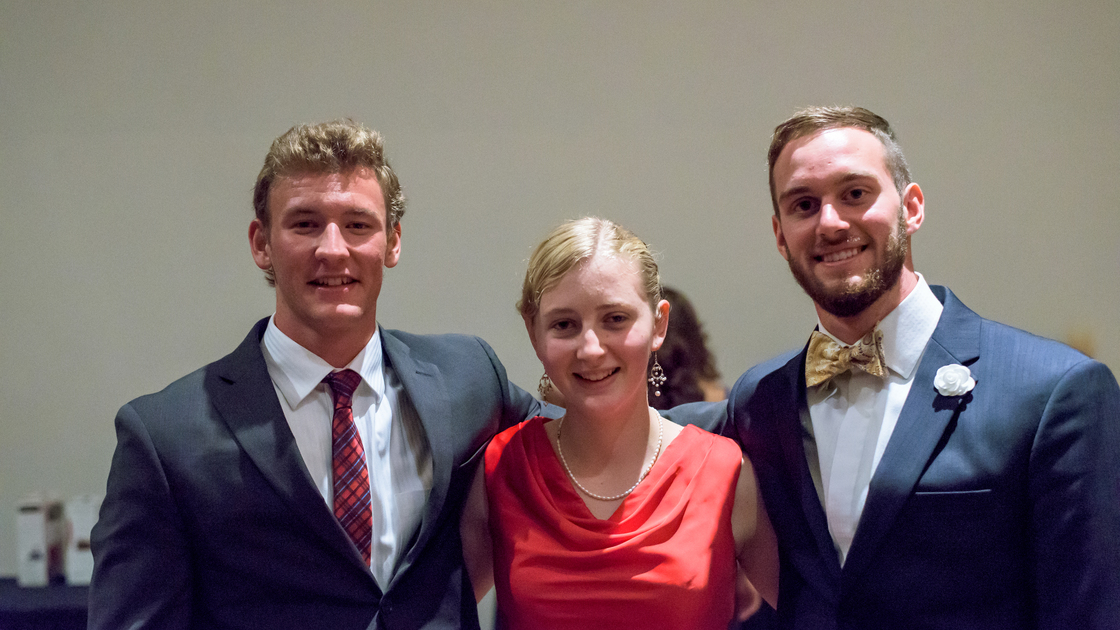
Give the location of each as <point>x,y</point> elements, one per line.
<point>827,358</point>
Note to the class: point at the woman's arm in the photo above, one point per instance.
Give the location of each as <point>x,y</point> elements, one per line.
<point>474,528</point>
<point>755,543</point>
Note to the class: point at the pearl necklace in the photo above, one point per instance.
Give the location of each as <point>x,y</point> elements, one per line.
<point>645,471</point>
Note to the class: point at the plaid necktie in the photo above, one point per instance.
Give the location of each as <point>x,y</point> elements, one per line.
<point>826,358</point>
<point>351,477</point>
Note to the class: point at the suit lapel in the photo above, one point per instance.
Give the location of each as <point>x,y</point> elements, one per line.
<point>424,384</point>
<point>242,392</point>
<point>775,440</point>
<point>921,426</point>
<point>793,435</point>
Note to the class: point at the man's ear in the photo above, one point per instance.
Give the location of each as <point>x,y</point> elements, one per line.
<point>393,246</point>
<point>914,207</point>
<point>780,238</point>
<point>258,245</point>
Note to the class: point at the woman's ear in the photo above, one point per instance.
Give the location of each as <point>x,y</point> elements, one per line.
<point>529,328</point>
<point>660,324</point>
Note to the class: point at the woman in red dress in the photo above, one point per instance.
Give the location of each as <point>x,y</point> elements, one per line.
<point>611,516</point>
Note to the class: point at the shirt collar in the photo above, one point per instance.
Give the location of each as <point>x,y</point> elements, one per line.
<point>297,371</point>
<point>907,329</point>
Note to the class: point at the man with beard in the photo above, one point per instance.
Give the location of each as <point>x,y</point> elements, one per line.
<point>923,467</point>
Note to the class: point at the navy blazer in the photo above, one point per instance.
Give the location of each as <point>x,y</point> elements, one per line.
<point>211,520</point>
<point>996,509</point>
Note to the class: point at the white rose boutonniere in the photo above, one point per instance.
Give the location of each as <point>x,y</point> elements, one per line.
<point>953,380</point>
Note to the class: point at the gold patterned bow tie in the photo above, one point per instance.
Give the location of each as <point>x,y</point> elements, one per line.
<point>827,358</point>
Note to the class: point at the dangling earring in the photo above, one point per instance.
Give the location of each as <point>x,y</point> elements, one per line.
<point>544,386</point>
<point>656,376</point>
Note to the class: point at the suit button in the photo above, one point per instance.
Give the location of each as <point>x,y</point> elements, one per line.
<point>387,607</point>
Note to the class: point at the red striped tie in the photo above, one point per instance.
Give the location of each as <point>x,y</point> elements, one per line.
<point>351,477</point>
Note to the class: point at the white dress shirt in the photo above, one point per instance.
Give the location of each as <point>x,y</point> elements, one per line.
<point>397,451</point>
<point>854,414</point>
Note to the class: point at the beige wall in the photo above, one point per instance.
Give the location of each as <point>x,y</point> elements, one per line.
<point>130,134</point>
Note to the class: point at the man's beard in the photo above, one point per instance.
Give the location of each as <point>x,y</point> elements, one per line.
<point>853,298</point>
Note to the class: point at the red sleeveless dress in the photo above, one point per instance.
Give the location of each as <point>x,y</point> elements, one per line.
<point>664,559</point>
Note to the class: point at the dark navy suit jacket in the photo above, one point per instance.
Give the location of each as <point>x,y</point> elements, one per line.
<point>211,519</point>
<point>999,509</point>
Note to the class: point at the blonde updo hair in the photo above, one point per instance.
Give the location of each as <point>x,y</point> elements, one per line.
<point>573,242</point>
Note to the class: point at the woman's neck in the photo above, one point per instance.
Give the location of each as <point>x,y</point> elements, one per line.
<point>597,440</point>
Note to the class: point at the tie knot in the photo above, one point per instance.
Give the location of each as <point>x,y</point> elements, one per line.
<point>826,358</point>
<point>342,383</point>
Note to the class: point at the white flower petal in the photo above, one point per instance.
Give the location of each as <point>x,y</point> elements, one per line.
<point>953,380</point>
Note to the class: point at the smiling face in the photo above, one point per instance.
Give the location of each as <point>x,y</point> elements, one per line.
<point>594,333</point>
<point>328,245</point>
<point>842,225</point>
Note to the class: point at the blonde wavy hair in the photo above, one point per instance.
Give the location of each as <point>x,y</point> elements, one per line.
<point>336,146</point>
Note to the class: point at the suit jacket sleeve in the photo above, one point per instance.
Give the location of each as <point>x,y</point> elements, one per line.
<point>1075,490</point>
<point>518,404</point>
<point>142,575</point>
<point>710,416</point>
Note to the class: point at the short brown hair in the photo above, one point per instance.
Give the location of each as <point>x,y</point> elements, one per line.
<point>573,242</point>
<point>337,146</point>
<point>812,120</point>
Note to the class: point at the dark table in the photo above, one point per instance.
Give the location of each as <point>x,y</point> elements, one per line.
<point>54,607</point>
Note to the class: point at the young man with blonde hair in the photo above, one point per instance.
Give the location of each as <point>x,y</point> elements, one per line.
<point>314,477</point>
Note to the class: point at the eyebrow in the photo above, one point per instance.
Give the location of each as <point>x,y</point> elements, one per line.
<point>349,212</point>
<point>562,311</point>
<point>555,312</point>
<point>846,178</point>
